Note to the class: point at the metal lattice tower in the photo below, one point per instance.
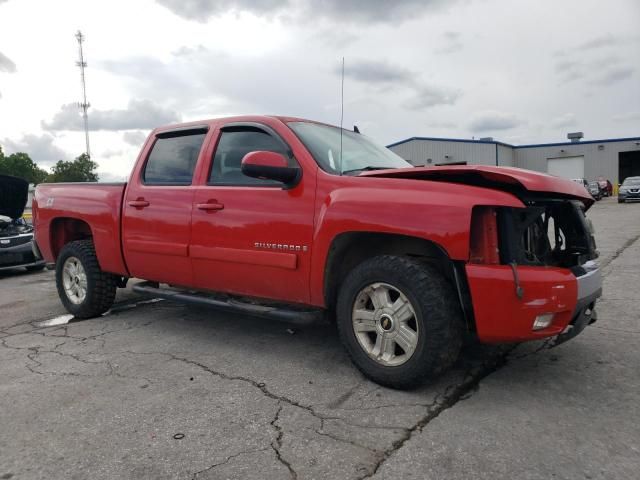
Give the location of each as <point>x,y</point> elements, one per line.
<point>84,105</point>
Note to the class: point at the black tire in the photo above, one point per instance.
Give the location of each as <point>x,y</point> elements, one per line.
<point>437,314</point>
<point>620,201</point>
<point>100,286</point>
<point>35,268</point>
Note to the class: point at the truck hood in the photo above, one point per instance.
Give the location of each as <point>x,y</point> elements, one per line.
<point>13,196</point>
<point>510,179</point>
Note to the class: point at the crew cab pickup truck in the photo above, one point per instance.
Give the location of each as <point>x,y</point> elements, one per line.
<point>286,217</point>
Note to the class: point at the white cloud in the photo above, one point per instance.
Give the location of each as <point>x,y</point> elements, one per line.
<point>6,64</point>
<point>612,75</point>
<point>626,117</point>
<point>135,137</point>
<point>565,120</point>
<point>41,148</point>
<point>138,114</point>
<point>492,120</point>
<point>451,44</point>
<point>341,11</point>
<point>432,95</point>
<point>376,71</point>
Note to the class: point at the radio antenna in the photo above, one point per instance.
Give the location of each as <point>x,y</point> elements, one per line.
<point>341,113</point>
<point>84,105</point>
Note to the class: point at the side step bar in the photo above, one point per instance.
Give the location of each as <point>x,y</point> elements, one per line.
<point>230,304</point>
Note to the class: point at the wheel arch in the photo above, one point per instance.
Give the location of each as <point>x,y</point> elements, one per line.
<point>64,230</point>
<point>349,249</point>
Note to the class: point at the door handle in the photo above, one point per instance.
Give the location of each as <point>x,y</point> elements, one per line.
<point>139,203</point>
<point>210,206</point>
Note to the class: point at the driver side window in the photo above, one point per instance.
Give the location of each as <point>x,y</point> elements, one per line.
<point>232,146</point>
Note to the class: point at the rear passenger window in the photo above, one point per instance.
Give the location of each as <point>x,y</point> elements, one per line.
<point>233,146</point>
<point>172,160</point>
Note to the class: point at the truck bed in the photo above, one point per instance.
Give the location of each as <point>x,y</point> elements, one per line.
<point>93,209</point>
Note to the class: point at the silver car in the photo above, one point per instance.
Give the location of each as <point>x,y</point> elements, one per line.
<point>629,190</point>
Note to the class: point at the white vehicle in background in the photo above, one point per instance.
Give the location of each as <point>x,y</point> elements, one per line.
<point>581,181</point>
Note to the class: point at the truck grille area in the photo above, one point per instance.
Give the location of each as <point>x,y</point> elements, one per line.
<point>15,241</point>
<point>548,232</point>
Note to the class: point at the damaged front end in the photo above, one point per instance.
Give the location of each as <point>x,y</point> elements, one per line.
<point>534,275</point>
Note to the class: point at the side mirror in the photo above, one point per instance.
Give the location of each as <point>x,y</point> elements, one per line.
<point>269,166</point>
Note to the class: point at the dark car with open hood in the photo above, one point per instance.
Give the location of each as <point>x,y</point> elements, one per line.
<point>17,248</point>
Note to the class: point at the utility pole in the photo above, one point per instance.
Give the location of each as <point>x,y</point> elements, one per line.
<point>84,105</point>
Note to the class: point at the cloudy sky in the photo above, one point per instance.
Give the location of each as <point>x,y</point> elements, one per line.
<point>521,71</point>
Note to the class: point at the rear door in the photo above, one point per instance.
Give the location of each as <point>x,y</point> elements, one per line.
<point>157,208</point>
<point>257,241</point>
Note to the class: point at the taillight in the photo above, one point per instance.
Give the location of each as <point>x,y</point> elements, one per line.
<point>484,246</point>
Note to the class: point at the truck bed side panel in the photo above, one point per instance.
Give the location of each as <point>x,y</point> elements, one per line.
<point>98,205</point>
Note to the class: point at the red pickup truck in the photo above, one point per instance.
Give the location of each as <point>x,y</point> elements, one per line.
<point>286,217</point>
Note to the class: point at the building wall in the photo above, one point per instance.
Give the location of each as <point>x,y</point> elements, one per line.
<point>600,159</point>
<point>418,152</point>
<point>506,157</point>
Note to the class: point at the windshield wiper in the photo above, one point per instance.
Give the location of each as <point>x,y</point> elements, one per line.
<point>367,169</point>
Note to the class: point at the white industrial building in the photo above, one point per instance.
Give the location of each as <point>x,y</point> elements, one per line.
<point>613,159</point>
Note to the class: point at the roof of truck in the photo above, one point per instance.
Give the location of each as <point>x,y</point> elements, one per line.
<point>237,118</point>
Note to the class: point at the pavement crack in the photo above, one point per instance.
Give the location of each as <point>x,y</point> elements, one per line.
<point>452,395</point>
<point>320,431</point>
<point>226,460</point>
<point>619,251</point>
<point>276,445</point>
<point>546,344</point>
<point>259,385</point>
<point>611,329</point>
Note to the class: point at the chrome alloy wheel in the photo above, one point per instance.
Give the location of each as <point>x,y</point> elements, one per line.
<point>385,324</point>
<point>74,280</point>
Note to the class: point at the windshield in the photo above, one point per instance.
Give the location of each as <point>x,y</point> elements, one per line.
<point>358,152</point>
<point>631,181</point>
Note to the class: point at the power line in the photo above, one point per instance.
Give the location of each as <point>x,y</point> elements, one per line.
<point>84,105</point>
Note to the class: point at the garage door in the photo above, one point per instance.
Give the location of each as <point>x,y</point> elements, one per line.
<point>566,167</point>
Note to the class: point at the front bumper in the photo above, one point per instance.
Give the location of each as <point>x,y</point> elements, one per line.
<point>502,316</point>
<point>25,255</point>
<point>629,195</point>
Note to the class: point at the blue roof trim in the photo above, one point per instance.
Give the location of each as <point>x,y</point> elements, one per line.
<point>586,142</point>
<point>460,140</point>
<point>533,145</point>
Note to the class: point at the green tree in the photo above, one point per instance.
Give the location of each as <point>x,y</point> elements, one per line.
<point>82,169</point>
<point>20,165</point>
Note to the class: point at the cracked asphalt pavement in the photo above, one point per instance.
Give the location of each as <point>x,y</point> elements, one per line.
<point>160,390</point>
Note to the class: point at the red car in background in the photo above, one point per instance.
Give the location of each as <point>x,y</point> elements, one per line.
<point>605,186</point>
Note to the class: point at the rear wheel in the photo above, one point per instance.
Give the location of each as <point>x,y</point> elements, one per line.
<point>84,289</point>
<point>399,320</point>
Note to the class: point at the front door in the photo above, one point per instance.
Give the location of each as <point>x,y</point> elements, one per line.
<point>251,236</point>
<point>157,209</point>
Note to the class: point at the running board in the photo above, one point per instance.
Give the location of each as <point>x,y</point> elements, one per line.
<point>289,315</point>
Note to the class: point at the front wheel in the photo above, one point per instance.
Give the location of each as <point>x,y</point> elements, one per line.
<point>399,320</point>
<point>84,289</point>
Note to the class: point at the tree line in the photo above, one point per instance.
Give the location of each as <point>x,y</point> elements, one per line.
<point>81,169</point>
